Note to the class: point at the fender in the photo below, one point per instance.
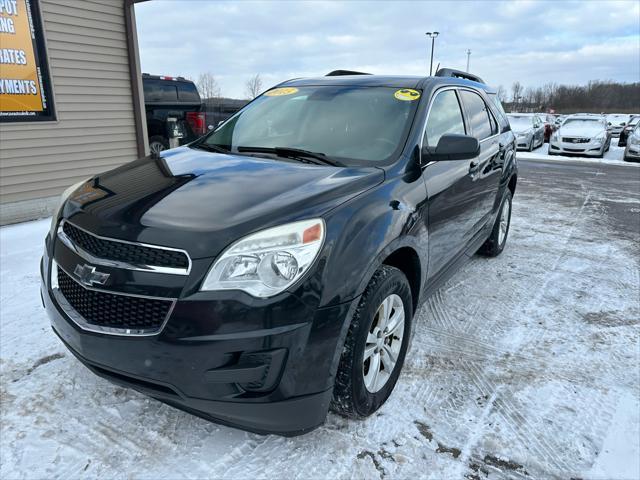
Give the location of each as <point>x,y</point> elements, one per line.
<point>365,230</point>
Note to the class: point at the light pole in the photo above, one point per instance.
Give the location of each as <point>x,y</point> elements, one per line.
<point>433,36</point>
<point>468,56</point>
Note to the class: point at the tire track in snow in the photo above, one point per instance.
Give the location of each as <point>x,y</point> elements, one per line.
<point>520,426</point>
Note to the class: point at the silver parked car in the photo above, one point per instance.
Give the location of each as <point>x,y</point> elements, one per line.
<point>581,134</point>
<point>528,129</point>
<point>632,151</point>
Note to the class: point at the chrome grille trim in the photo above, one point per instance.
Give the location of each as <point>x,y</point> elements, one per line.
<point>121,264</point>
<point>79,320</point>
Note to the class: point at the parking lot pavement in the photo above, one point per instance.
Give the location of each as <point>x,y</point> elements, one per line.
<point>523,366</point>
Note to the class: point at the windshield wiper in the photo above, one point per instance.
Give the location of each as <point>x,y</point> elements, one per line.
<point>210,148</point>
<point>297,153</point>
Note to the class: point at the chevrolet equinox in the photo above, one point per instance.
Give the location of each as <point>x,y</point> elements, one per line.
<point>270,270</point>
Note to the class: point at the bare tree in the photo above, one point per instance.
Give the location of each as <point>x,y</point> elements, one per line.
<point>516,89</point>
<point>253,86</point>
<point>501,93</point>
<point>208,86</point>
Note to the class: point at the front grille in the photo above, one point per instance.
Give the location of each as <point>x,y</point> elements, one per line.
<point>125,252</point>
<point>575,140</point>
<point>113,311</point>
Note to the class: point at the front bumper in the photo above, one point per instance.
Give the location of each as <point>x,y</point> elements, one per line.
<point>523,142</point>
<point>590,149</point>
<point>262,365</point>
<point>632,151</point>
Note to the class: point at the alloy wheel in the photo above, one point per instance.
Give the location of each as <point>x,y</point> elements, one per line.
<point>383,344</point>
<point>156,147</point>
<point>504,222</point>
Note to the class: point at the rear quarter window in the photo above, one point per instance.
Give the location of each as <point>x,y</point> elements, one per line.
<point>502,115</point>
<point>187,92</point>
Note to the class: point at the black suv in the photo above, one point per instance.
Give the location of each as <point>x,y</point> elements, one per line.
<point>174,110</point>
<point>271,270</point>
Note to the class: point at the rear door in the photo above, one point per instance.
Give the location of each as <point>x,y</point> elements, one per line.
<point>485,174</point>
<point>451,208</point>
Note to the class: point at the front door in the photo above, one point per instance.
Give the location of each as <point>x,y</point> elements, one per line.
<point>451,208</point>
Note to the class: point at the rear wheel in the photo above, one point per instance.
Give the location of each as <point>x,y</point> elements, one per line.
<point>375,346</point>
<point>498,238</point>
<point>157,144</point>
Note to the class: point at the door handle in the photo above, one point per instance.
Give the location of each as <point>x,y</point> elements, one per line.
<point>473,166</point>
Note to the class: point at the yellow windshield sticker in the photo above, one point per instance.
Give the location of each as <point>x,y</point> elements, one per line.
<point>407,94</point>
<point>278,92</point>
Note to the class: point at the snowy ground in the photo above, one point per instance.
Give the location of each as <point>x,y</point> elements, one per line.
<point>613,156</point>
<point>524,366</point>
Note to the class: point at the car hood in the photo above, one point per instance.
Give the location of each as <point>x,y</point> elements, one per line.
<point>580,131</point>
<point>201,201</point>
<point>522,131</point>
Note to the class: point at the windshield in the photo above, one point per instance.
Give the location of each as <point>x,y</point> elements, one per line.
<point>617,119</point>
<point>520,123</point>
<point>354,125</point>
<point>583,122</point>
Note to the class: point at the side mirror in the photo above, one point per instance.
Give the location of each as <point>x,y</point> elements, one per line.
<point>453,146</point>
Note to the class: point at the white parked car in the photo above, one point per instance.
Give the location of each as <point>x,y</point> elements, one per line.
<point>632,151</point>
<point>528,129</point>
<point>580,134</point>
<point>616,122</point>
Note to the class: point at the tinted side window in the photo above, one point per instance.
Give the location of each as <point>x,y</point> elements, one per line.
<point>444,117</point>
<point>187,92</point>
<point>477,110</point>
<point>502,115</point>
<point>159,91</point>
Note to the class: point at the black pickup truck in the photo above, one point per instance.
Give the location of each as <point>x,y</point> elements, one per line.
<point>168,98</point>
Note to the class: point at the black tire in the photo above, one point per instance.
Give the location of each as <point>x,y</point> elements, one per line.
<point>158,143</point>
<point>493,247</point>
<point>350,396</point>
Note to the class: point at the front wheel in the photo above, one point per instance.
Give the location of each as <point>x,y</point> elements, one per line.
<point>375,346</point>
<point>498,238</point>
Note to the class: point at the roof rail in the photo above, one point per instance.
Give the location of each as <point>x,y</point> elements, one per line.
<point>337,73</point>
<point>450,72</point>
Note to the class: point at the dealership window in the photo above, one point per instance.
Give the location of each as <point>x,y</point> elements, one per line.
<point>25,84</point>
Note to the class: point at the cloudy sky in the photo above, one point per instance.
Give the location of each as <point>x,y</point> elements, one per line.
<point>534,42</point>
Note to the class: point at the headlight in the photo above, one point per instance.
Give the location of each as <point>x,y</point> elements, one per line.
<point>634,140</point>
<point>600,138</point>
<point>63,198</point>
<point>554,137</point>
<point>268,262</point>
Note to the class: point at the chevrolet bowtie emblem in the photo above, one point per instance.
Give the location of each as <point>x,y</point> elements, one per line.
<point>88,276</point>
